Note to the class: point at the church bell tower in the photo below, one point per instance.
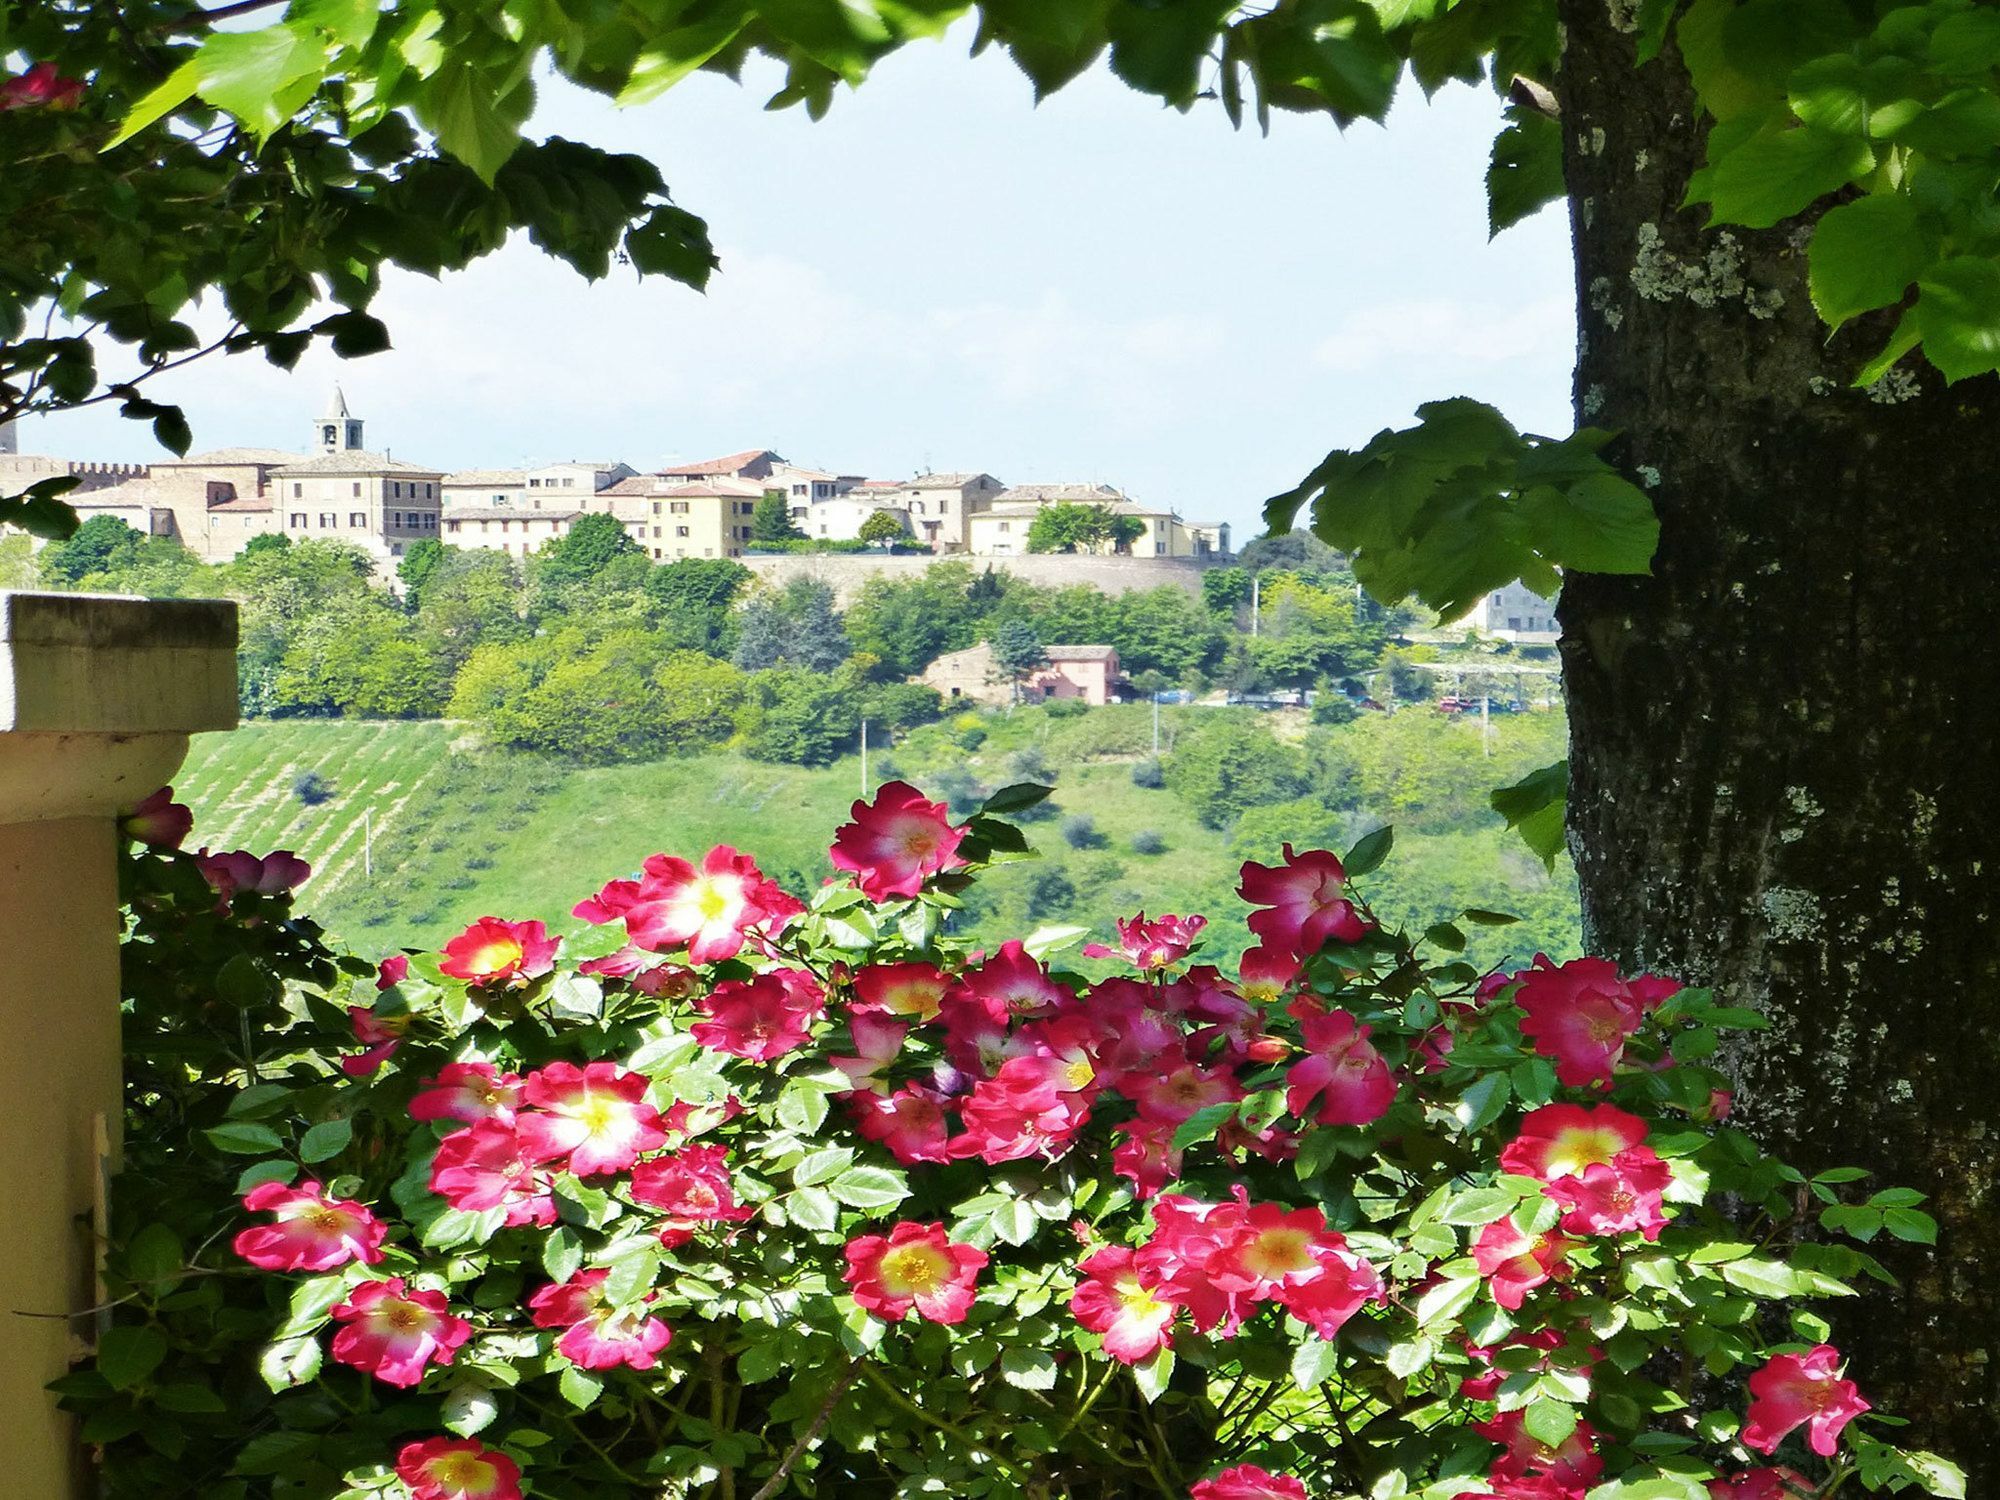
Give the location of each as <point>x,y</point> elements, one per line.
<point>336,430</point>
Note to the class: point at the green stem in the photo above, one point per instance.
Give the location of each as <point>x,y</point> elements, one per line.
<point>950,1429</point>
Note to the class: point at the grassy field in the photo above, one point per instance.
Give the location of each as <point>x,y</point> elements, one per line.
<point>460,833</point>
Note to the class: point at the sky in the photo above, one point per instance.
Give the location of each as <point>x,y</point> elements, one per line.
<point>942,275</point>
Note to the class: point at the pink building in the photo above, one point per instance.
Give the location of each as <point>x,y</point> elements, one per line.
<point>1086,672</point>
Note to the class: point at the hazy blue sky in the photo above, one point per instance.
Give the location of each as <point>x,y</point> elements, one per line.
<point>941,274</point>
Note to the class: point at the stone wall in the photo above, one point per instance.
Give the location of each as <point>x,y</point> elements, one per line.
<point>845,573</point>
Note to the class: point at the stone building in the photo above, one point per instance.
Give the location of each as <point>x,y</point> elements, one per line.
<point>374,501</point>
<point>1088,673</point>
<point>672,518</point>
<point>1000,528</point>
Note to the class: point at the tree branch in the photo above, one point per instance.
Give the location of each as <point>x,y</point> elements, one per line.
<point>201,20</point>
<point>770,1486</point>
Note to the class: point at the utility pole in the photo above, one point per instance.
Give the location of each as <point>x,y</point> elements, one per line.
<point>1486,724</point>
<point>1156,725</point>
<point>1256,601</point>
<point>864,760</point>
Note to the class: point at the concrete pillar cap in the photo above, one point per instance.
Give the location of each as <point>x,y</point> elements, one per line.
<point>98,694</point>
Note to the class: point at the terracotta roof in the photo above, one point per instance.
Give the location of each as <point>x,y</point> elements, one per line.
<point>246,505</point>
<point>487,476</point>
<point>357,461</point>
<point>231,458</point>
<point>725,465</point>
<point>944,481</point>
<point>1042,493</point>
<point>661,487</point>
<point>1080,653</point>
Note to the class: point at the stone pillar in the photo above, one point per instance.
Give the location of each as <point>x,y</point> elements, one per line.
<point>97,698</point>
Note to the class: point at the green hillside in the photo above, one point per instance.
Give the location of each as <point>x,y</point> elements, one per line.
<point>459,832</point>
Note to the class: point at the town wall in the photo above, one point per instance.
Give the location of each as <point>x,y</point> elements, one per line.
<point>845,573</point>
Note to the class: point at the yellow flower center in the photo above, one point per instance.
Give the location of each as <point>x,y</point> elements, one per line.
<point>1279,1252</point>
<point>598,1114</point>
<point>491,958</point>
<point>1583,1146</point>
<point>710,901</point>
<point>461,1471</point>
<point>404,1317</point>
<point>912,1270</point>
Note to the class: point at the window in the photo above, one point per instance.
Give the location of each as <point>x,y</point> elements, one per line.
<point>328,520</point>
<point>656,531</point>
<point>916,507</point>
<point>569,483</point>
<point>1513,622</point>
<point>298,520</point>
<point>1006,525</point>
<point>944,504</point>
<point>505,524</point>
<point>680,531</point>
<point>534,484</point>
<point>329,435</point>
<point>357,489</point>
<point>395,489</point>
<point>357,518</point>
<point>798,489</point>
<point>656,507</point>
<point>299,490</point>
<point>452,527</point>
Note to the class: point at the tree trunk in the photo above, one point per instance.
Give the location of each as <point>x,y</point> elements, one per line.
<point>1783,742</point>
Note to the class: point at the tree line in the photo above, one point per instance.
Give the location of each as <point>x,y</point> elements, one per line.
<point>589,649</point>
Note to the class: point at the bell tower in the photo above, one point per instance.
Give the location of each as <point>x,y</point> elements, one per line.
<point>336,430</point>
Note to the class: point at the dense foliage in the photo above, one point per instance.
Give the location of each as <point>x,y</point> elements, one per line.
<point>582,648</point>
<point>806,1198</point>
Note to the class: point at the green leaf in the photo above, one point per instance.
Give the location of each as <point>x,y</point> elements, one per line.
<point>265,1171</point>
<point>1865,255</point>
<point>470,1407</point>
<point>1775,175</point>
<point>355,334</point>
<point>819,1166</point>
<point>1446,1299</point>
<point>290,1362</point>
<point>1368,852</point>
<point>126,1356</point>
<point>1151,1376</point>
<point>155,1254</point>
<point>1014,1221</point>
<point>1526,171</point>
<point>192,1400</point>
<point>1028,1369</point>
<point>1958,316</point>
<point>1480,1205</point>
<point>460,105</point>
<point>870,1187</point>
<point>1202,1125</point>
<point>1910,1224</point>
<point>802,1107</point>
<point>1536,807</point>
<point>243,1138</point>
<point>1761,1277</point>
<point>580,1390</point>
<point>1314,1363</point>
<point>181,85</point>
<point>1013,798</point>
<point>1967,43</point>
<point>262,77</point>
<point>327,1139</point>
<point>1550,1422</point>
<point>1481,1104</point>
<point>813,1208</point>
<point>1599,523</point>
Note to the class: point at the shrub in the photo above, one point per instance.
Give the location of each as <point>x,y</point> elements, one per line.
<point>1066,708</point>
<point>1079,831</point>
<point>1031,763</point>
<point>311,788</point>
<point>698,1223</point>
<point>970,736</point>
<point>959,788</point>
<point>1149,841</point>
<point>1226,764</point>
<point>1149,774</point>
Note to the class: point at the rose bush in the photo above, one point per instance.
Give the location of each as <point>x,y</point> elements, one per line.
<point>744,1194</point>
